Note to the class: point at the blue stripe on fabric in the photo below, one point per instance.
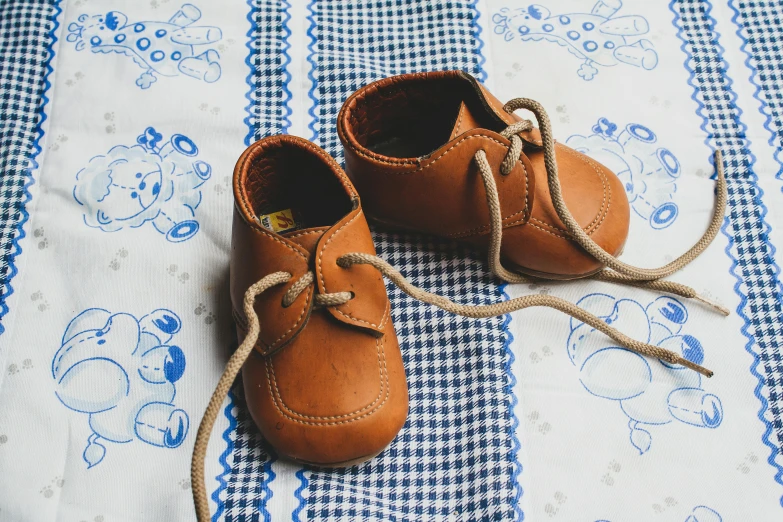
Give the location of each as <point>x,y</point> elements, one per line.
<point>754,267</point>
<point>24,91</point>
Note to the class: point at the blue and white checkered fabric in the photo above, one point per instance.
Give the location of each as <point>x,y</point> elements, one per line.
<point>24,38</point>
<point>246,489</point>
<point>760,23</point>
<point>755,269</point>
<point>454,457</point>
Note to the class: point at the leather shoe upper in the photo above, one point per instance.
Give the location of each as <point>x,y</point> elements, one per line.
<point>410,143</point>
<point>326,385</point>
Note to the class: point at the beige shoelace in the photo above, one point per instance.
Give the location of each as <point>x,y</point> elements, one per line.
<point>321,300</point>
<point>616,271</point>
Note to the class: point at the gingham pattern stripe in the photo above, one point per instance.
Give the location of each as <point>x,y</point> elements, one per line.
<point>246,489</point>
<point>24,40</point>
<point>453,458</point>
<point>267,79</point>
<point>761,24</point>
<point>747,228</point>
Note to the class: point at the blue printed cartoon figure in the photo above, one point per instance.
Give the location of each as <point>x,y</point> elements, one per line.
<point>598,38</point>
<point>699,514</point>
<point>650,392</point>
<point>648,171</point>
<point>121,371</point>
<point>163,48</point>
<point>148,182</point>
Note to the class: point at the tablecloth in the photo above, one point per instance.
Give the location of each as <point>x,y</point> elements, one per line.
<point>120,122</point>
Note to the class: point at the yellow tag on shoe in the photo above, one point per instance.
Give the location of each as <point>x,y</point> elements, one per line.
<point>280,221</point>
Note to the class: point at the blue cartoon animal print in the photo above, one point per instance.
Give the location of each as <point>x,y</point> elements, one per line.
<point>152,181</point>
<point>699,514</point>
<point>649,392</point>
<point>121,371</point>
<point>598,38</point>
<point>704,514</point>
<point>648,171</point>
<point>163,48</point>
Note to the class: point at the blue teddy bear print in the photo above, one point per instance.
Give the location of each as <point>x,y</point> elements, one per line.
<point>163,48</point>
<point>698,514</point>
<point>152,181</point>
<point>598,38</point>
<point>648,171</point>
<point>649,392</point>
<point>121,371</point>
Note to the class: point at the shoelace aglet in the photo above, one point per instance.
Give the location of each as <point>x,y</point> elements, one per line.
<point>716,306</point>
<point>695,367</point>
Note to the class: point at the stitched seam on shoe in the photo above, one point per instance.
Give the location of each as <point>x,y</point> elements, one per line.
<point>272,237</point>
<point>479,136</point>
<point>604,210</point>
<point>383,370</point>
<point>306,233</point>
<point>323,279</point>
<point>459,122</point>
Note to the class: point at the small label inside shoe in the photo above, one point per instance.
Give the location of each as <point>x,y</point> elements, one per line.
<point>280,221</point>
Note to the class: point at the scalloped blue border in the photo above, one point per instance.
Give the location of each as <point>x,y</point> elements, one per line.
<point>763,212</point>
<point>286,124</point>
<point>746,45</point>
<point>16,247</point>
<point>249,79</point>
<point>512,403</point>
<point>304,484</point>
<point>311,53</point>
<point>223,483</point>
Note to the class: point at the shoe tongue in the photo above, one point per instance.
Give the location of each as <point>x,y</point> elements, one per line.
<point>306,238</point>
<point>465,122</point>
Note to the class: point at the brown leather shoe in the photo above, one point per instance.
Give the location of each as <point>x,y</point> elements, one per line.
<point>410,145</point>
<point>326,384</point>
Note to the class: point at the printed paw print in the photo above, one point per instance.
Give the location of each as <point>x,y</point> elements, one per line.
<point>205,106</point>
<point>43,242</point>
<point>184,484</point>
<point>115,263</point>
<point>70,82</point>
<point>744,467</point>
<point>27,364</point>
<point>48,490</point>
<point>209,318</point>
<point>614,468</point>
<point>38,296</point>
<point>535,358</point>
<point>172,270</point>
<point>515,69</point>
<point>184,277</point>
<point>539,288</point>
<point>563,111</point>
<point>667,503</point>
<point>13,369</point>
<point>3,438</point>
<point>226,45</point>
<point>110,128</point>
<point>61,139</point>
<point>542,428</point>
<point>220,189</point>
<point>551,508</point>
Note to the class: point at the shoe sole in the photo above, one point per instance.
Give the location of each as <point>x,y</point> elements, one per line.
<point>511,266</point>
<point>345,464</point>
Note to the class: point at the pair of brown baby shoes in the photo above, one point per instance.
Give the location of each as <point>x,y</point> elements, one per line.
<point>433,153</point>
